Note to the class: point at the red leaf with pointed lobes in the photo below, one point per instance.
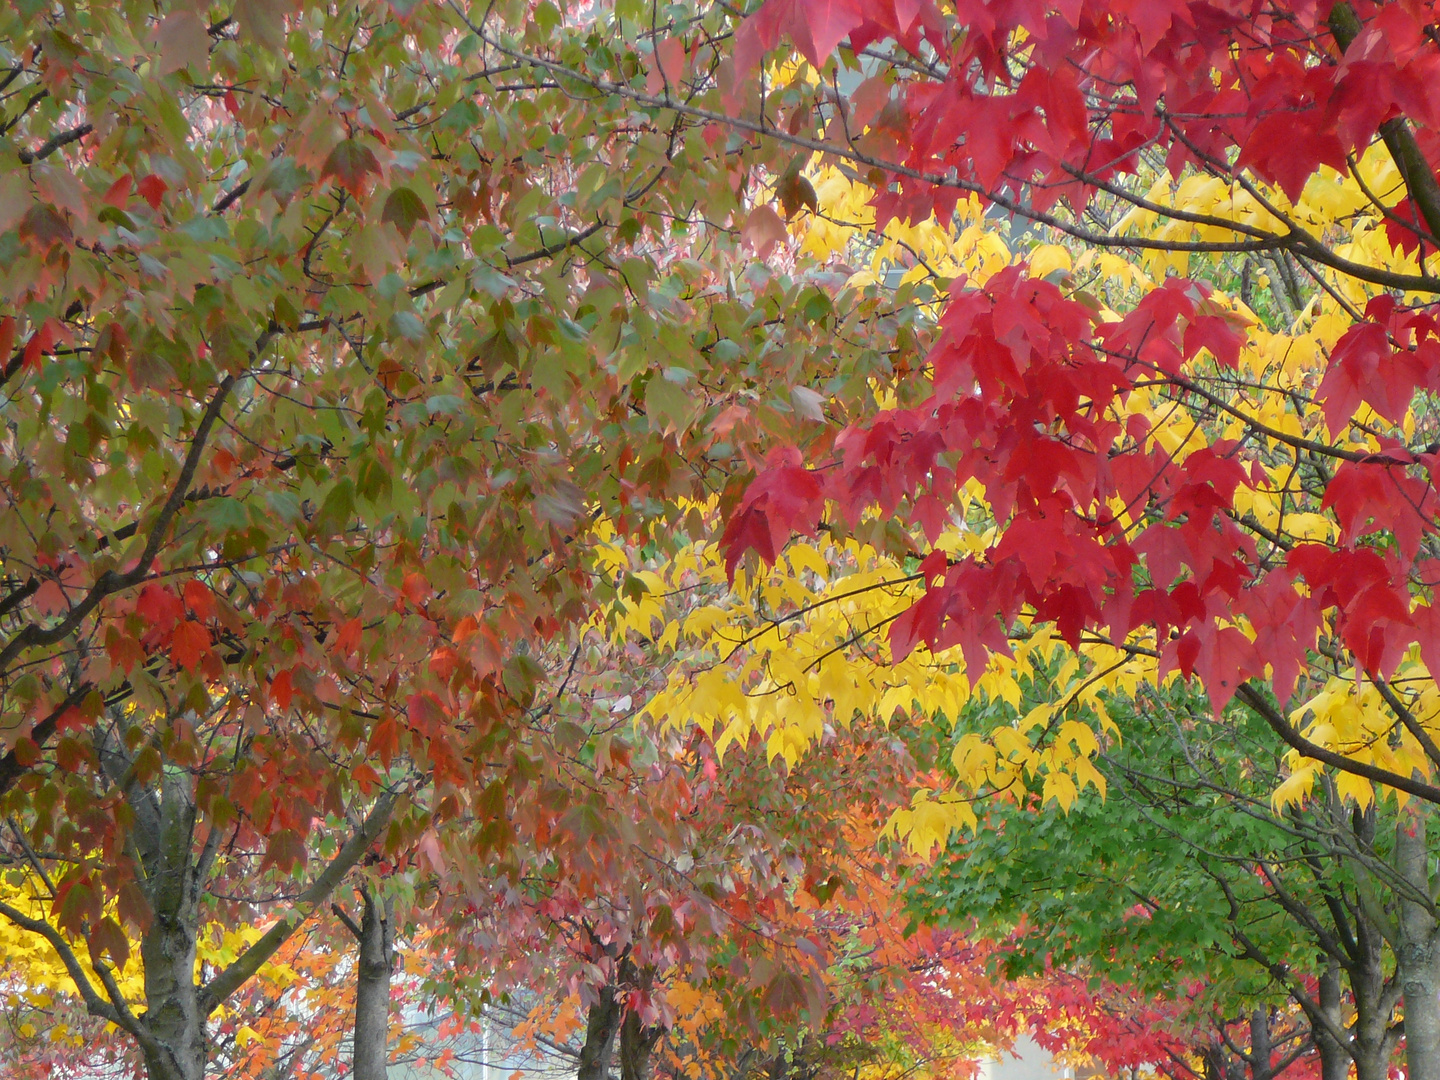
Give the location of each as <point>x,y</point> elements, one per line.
<point>200,599</point>
<point>347,638</point>
<point>784,499</point>
<point>118,193</point>
<point>427,714</point>
<point>1363,366</point>
<point>1222,336</point>
<point>159,606</point>
<point>1371,497</point>
<point>828,22</point>
<point>281,690</point>
<point>40,343</point>
<point>1285,624</point>
<point>384,740</point>
<point>417,589</point>
<point>152,189</point>
<point>189,645</point>
<point>815,27</point>
<point>1225,659</point>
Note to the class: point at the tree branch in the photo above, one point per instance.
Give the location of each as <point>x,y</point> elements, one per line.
<point>33,634</point>
<point>1297,241</point>
<point>96,1005</point>
<point>1399,139</point>
<point>55,142</point>
<point>349,922</point>
<point>1282,727</point>
<point>218,989</point>
<point>10,767</point>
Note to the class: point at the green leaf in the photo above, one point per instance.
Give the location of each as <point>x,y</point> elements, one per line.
<point>670,407</point>
<point>404,209</point>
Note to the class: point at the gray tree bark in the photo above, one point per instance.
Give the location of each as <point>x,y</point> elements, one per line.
<point>173,871</point>
<point>372,987</point>
<point>1416,954</point>
<point>636,1045</point>
<point>1373,1038</point>
<point>1334,1058</point>
<point>173,1015</point>
<point>602,1023</point>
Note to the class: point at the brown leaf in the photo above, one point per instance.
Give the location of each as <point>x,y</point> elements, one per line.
<point>263,21</point>
<point>404,209</point>
<point>47,228</point>
<point>183,43</point>
<point>795,191</point>
<point>762,230</point>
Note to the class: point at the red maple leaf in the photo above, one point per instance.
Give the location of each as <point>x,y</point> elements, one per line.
<point>351,164</point>
<point>189,645</point>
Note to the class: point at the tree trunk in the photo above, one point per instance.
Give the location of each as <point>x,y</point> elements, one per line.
<point>601,1024</point>
<point>1417,958</point>
<point>1260,1049</point>
<point>174,1016</point>
<point>1334,1058</point>
<point>372,988</point>
<point>636,1044</point>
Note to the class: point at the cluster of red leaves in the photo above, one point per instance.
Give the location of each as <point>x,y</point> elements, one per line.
<point>1030,388</point>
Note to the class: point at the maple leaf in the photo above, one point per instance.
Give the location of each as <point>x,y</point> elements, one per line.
<point>189,644</point>
<point>404,209</point>
<point>1226,658</point>
<point>152,189</point>
<point>815,27</point>
<point>183,43</point>
<point>763,230</point>
<point>1369,497</point>
<point>351,164</point>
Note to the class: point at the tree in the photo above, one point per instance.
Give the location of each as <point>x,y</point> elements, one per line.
<point>328,335</point>
<point>1183,875</point>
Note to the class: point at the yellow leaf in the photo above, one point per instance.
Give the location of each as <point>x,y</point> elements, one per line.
<point>1047,258</point>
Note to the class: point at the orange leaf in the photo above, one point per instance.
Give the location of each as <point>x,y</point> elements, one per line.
<point>281,690</point>
<point>200,600</point>
<point>152,189</point>
<point>190,643</point>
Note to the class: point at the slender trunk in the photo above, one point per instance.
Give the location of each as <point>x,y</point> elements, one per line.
<point>1334,1059</point>
<point>372,988</point>
<point>1260,1048</point>
<point>171,1030</point>
<point>636,1044</point>
<point>1375,994</point>
<point>1417,958</point>
<point>173,1016</point>
<point>601,1024</point>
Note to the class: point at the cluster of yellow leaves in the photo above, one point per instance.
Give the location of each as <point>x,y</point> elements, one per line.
<point>1349,715</point>
<point>972,246</point>
<point>792,653</point>
<point>37,977</point>
<point>1333,205</point>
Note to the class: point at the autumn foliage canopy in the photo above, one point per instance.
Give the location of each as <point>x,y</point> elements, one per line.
<point>587,502</point>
